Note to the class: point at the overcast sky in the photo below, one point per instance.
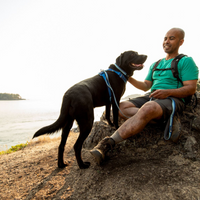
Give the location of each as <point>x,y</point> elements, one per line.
<point>46,46</point>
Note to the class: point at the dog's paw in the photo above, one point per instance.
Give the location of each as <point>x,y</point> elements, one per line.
<point>116,127</point>
<point>111,124</point>
<point>85,165</point>
<point>62,165</point>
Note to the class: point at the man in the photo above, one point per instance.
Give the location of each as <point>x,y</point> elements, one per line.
<point>156,105</point>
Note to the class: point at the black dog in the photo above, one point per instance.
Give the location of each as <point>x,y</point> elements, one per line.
<point>80,99</point>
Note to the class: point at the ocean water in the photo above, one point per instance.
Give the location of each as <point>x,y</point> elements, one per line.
<point>19,120</point>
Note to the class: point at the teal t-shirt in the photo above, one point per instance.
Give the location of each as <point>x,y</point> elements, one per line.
<point>165,80</point>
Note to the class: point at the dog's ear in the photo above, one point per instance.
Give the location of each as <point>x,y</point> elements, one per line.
<point>119,59</point>
<point>124,57</point>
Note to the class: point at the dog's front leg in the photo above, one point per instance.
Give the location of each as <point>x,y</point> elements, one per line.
<point>108,106</point>
<point>115,115</point>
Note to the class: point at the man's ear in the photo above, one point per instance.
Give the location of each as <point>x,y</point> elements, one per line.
<point>181,42</point>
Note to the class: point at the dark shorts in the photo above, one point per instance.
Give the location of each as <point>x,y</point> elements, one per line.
<point>166,105</point>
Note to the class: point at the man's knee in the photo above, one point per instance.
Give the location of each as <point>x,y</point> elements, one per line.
<point>122,106</point>
<point>126,104</point>
<point>152,109</point>
<point>126,109</point>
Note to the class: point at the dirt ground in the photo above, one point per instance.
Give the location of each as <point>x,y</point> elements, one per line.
<point>158,172</point>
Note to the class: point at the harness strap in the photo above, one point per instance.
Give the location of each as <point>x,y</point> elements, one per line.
<point>110,90</point>
<point>119,74</point>
<point>106,79</point>
<point>174,67</point>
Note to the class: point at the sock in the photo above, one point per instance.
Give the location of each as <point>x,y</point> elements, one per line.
<point>116,137</point>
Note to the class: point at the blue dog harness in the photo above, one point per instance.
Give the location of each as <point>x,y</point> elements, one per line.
<point>122,74</point>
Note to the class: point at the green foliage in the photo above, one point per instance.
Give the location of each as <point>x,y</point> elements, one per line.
<point>7,96</point>
<point>14,148</point>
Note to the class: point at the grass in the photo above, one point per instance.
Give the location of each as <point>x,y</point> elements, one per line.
<point>41,139</point>
<point>14,148</point>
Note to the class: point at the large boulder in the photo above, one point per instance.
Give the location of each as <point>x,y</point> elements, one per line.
<point>151,138</point>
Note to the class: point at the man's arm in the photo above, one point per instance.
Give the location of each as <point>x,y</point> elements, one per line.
<point>189,88</point>
<point>146,85</point>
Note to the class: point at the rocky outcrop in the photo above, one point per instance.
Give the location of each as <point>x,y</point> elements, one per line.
<point>151,138</point>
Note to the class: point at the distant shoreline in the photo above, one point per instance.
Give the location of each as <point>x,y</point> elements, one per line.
<point>10,97</point>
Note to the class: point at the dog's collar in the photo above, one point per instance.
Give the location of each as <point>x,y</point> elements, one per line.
<point>120,74</point>
<point>103,72</point>
<point>121,70</point>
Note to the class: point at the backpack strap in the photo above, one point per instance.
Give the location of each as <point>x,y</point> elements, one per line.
<point>154,68</point>
<point>174,67</point>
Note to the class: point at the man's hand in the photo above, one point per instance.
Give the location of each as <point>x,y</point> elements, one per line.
<point>160,94</point>
<point>189,88</point>
<point>141,85</point>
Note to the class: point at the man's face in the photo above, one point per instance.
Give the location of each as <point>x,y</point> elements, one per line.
<point>172,42</point>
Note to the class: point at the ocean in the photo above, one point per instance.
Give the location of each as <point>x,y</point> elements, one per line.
<point>20,119</point>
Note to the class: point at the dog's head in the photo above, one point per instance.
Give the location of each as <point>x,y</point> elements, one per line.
<point>130,61</point>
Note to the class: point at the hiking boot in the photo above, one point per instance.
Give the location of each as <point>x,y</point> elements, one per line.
<point>176,129</point>
<point>102,148</point>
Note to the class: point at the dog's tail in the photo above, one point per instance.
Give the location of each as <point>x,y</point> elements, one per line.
<point>56,126</point>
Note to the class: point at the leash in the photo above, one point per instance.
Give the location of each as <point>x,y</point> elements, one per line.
<point>122,75</point>
<point>121,70</point>
<point>168,129</point>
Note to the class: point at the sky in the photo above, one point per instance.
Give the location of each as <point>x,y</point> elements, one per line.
<point>46,46</point>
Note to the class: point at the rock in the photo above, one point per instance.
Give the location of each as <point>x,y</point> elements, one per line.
<point>141,150</point>
<point>150,139</point>
<point>195,124</point>
<point>179,160</point>
<point>191,156</point>
<point>100,130</point>
<point>190,144</point>
<point>162,142</point>
<point>191,148</point>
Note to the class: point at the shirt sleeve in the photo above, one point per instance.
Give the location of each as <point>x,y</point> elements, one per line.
<point>149,75</point>
<point>188,69</point>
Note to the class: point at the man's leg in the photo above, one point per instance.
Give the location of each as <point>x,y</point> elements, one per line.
<point>135,124</point>
<point>127,109</point>
<point>131,107</point>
